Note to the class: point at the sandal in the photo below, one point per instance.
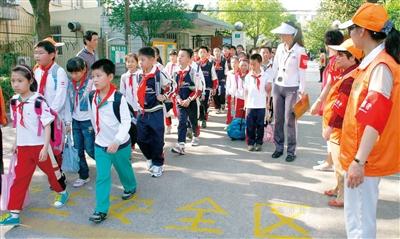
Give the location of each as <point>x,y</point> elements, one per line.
<point>336,203</point>
<point>331,193</point>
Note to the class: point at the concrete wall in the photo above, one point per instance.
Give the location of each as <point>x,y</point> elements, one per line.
<point>64,5</point>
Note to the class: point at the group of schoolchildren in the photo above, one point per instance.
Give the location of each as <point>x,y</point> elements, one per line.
<point>107,122</point>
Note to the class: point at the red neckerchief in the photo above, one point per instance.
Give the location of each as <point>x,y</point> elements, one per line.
<point>102,102</point>
<point>217,64</point>
<point>77,89</point>
<point>182,75</point>
<point>142,88</point>
<point>43,81</point>
<point>196,58</point>
<point>243,75</point>
<point>257,80</point>
<point>203,62</point>
<point>20,109</point>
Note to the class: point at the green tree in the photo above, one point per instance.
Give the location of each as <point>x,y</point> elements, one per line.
<point>258,16</point>
<point>393,8</point>
<point>42,17</point>
<point>150,17</point>
<point>314,33</point>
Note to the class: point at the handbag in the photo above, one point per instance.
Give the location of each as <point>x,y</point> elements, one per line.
<point>7,180</point>
<point>301,106</point>
<point>268,134</point>
<point>70,157</point>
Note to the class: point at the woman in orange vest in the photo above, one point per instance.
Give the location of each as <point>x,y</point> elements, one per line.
<point>370,139</point>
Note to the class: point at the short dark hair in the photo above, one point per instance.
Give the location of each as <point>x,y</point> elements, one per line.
<point>173,52</point>
<point>333,37</point>
<point>256,57</point>
<point>205,48</point>
<point>105,65</point>
<point>240,45</point>
<point>266,47</point>
<point>196,49</point>
<point>147,51</point>
<point>348,55</point>
<point>243,54</point>
<point>76,64</point>
<point>27,73</point>
<point>47,46</point>
<point>226,46</point>
<point>88,36</point>
<point>188,51</point>
<point>132,55</point>
<point>233,47</point>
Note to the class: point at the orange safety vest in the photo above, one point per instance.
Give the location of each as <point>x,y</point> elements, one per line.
<point>384,158</point>
<point>329,102</point>
<point>3,115</point>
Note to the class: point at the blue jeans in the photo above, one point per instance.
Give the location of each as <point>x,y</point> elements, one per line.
<point>255,126</point>
<point>83,133</point>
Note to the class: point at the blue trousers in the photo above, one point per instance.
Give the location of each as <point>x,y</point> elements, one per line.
<point>204,106</point>
<point>186,115</point>
<point>255,126</point>
<point>83,134</point>
<point>150,136</point>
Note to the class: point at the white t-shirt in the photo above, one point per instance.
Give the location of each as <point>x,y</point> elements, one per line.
<point>256,97</point>
<point>231,86</point>
<point>27,135</point>
<point>130,92</point>
<point>55,96</point>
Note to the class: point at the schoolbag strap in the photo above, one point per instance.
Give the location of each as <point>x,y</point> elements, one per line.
<point>13,104</point>
<point>54,71</point>
<point>91,96</point>
<point>116,105</point>
<point>39,111</point>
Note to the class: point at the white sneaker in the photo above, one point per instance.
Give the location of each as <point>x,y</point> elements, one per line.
<point>179,149</point>
<point>195,141</point>
<point>80,182</point>
<point>323,167</point>
<point>150,165</point>
<point>157,171</point>
<point>168,130</point>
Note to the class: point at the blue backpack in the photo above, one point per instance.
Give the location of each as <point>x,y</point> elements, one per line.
<point>237,129</point>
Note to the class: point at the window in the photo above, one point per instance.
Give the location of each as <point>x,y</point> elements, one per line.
<point>78,4</point>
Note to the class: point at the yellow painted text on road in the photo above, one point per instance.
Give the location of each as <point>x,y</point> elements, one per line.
<point>295,211</point>
<point>119,210</point>
<point>201,207</point>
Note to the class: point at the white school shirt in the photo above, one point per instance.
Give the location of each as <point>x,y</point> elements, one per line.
<point>256,98</point>
<point>159,66</point>
<point>130,92</point>
<point>197,67</point>
<point>240,88</point>
<point>55,98</point>
<point>28,135</point>
<point>286,70</point>
<point>111,130</point>
<point>231,86</point>
<point>170,68</point>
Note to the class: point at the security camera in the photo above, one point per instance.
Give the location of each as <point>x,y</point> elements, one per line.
<point>74,26</point>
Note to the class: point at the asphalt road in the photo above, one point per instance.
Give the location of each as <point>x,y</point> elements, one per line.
<point>217,190</point>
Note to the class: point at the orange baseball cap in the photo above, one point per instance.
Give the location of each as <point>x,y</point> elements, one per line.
<point>370,16</point>
<point>51,40</point>
<point>348,45</point>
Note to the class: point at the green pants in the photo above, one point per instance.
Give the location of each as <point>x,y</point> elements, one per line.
<point>122,164</point>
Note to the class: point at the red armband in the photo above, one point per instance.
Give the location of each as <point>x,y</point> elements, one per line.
<point>303,61</point>
<point>374,111</point>
<point>340,105</point>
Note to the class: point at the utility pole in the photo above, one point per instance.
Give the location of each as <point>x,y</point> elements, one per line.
<point>127,25</point>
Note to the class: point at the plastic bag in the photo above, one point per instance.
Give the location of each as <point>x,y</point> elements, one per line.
<point>70,157</point>
<point>269,134</point>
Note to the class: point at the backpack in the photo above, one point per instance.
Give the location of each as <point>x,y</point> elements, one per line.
<point>54,71</point>
<point>237,129</point>
<point>117,113</point>
<point>57,126</point>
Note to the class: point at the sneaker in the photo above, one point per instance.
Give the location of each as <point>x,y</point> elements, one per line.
<point>149,163</point>
<point>157,171</point>
<point>98,217</point>
<point>323,167</point>
<point>128,194</point>
<point>61,199</point>
<point>250,148</point>
<point>223,107</point>
<point>290,158</point>
<point>179,149</point>
<point>80,182</point>
<point>276,154</point>
<point>8,220</point>
<point>204,124</point>
<point>321,162</point>
<point>168,130</point>
<point>258,147</point>
<point>195,141</point>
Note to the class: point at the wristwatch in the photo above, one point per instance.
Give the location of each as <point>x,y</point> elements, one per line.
<point>359,162</point>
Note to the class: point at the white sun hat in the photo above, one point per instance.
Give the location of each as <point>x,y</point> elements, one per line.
<point>285,28</point>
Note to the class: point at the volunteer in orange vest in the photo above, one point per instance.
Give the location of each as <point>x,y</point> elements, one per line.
<point>371,134</point>
<point>347,60</point>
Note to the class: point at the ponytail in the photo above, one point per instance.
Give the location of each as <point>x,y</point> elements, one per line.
<point>392,44</point>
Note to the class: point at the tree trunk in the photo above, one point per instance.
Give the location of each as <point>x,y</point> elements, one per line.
<point>127,25</point>
<point>42,17</point>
